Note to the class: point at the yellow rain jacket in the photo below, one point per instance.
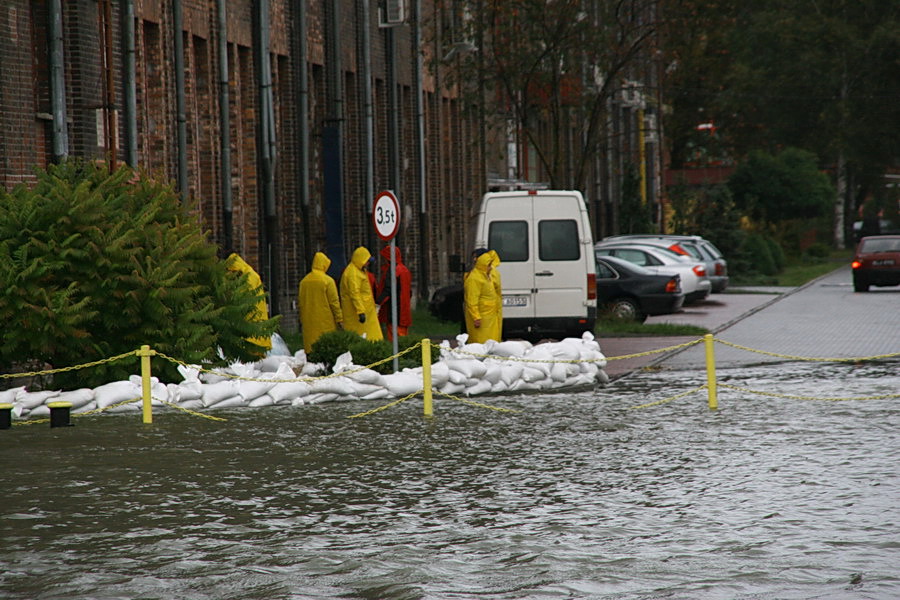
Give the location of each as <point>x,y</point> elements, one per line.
<point>481,302</point>
<point>357,299</point>
<point>498,290</point>
<point>237,264</point>
<point>320,307</point>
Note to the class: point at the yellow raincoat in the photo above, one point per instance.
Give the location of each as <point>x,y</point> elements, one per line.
<point>320,307</point>
<point>237,264</point>
<point>357,298</point>
<point>481,302</point>
<point>498,290</point>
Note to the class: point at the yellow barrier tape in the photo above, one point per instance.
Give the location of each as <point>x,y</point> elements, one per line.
<point>798,397</point>
<point>665,400</point>
<point>649,352</point>
<point>477,404</point>
<point>192,412</point>
<point>386,406</point>
<point>65,369</point>
<point>792,357</point>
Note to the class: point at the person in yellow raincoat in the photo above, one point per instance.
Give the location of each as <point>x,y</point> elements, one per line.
<point>498,291</point>
<point>357,300</point>
<point>320,306</point>
<point>237,264</point>
<point>482,309</point>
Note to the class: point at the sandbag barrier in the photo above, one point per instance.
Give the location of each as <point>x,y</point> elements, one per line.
<point>470,369</point>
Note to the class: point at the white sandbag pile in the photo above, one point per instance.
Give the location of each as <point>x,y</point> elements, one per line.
<point>284,379</point>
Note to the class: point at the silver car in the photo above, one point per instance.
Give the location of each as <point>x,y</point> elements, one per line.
<point>657,258</point>
<point>688,245</point>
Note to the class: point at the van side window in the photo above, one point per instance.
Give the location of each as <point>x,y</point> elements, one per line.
<point>509,239</point>
<point>559,240</point>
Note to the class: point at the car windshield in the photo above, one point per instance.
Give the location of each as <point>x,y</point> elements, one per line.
<point>880,245</point>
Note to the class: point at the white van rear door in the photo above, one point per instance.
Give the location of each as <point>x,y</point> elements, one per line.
<point>510,234</point>
<point>560,276</point>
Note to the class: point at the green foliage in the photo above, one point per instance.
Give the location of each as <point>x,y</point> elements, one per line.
<point>93,265</point>
<point>817,252</point>
<point>635,215</point>
<point>789,185</point>
<point>330,345</point>
<point>755,255</point>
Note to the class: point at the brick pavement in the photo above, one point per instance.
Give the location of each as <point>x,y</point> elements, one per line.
<point>822,319</point>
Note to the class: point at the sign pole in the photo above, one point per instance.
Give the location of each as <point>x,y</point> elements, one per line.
<point>394,304</point>
<point>386,219</point>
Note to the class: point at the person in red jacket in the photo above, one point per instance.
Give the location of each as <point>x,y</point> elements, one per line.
<point>404,293</point>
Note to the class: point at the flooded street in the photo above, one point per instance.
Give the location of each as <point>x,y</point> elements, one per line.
<point>574,496</point>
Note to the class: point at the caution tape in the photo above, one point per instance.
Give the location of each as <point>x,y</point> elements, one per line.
<point>799,397</point>
<point>807,358</point>
<point>385,407</point>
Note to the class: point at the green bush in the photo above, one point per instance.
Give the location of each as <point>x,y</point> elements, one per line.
<point>777,254</point>
<point>94,265</point>
<point>756,251</point>
<point>817,251</point>
<point>330,345</point>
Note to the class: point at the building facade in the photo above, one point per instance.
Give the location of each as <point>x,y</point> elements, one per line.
<point>278,121</point>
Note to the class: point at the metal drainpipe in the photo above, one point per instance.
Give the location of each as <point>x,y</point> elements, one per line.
<point>181,116</point>
<point>109,85</point>
<point>267,153</point>
<point>225,128</point>
<point>131,153</point>
<point>425,251</point>
<point>303,93</point>
<point>369,125</point>
<point>58,84</point>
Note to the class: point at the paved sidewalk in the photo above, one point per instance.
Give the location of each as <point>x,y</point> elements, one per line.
<point>823,319</point>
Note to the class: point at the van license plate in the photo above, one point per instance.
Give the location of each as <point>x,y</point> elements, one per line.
<point>515,300</point>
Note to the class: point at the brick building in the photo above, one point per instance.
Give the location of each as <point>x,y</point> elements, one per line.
<point>277,120</point>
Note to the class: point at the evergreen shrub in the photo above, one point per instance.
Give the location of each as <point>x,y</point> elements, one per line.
<point>94,265</point>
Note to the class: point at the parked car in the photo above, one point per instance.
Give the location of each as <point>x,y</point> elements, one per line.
<point>694,282</point>
<point>688,245</point>
<point>446,303</point>
<point>876,262</point>
<point>629,292</point>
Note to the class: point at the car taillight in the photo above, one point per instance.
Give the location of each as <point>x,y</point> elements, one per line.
<point>592,286</point>
<point>700,270</point>
<point>672,286</point>
<point>856,264</point>
<point>678,249</point>
<point>720,269</point>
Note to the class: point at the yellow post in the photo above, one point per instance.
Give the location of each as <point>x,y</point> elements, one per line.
<point>711,372</point>
<point>426,377</point>
<point>145,353</point>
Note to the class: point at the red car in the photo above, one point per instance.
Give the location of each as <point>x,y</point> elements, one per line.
<point>876,262</point>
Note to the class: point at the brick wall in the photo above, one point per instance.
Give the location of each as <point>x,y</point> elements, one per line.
<point>453,174</point>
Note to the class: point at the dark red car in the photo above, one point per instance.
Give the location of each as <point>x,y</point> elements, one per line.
<point>876,262</point>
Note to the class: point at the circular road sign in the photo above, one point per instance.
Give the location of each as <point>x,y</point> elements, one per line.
<point>386,215</point>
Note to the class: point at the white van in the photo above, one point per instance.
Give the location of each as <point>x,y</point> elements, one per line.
<point>547,264</point>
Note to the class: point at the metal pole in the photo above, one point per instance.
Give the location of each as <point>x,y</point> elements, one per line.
<point>224,127</point>
<point>58,84</point>
<point>394,303</point>
<point>181,116</point>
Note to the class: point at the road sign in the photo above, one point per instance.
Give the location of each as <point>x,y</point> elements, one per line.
<point>386,215</point>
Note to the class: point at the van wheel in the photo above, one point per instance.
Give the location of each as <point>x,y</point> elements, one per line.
<point>625,309</point>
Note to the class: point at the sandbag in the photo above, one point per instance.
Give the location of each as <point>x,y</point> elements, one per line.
<point>214,393</point>
<point>264,400</point>
<point>440,374</point>
<point>481,387</point>
<point>511,348</point>
<point>341,386</point>
<point>115,392</point>
<point>31,400</point>
<point>289,390</point>
<point>403,383</point>
<point>469,367</point>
